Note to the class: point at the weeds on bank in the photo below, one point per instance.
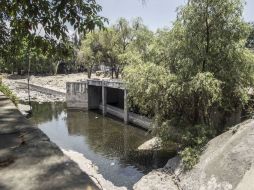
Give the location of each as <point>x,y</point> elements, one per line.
<point>7,92</point>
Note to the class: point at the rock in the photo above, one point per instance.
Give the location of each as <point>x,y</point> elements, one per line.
<point>226,164</point>
<point>24,109</point>
<point>6,157</point>
<point>156,180</point>
<point>225,161</point>
<point>152,144</point>
<point>31,77</point>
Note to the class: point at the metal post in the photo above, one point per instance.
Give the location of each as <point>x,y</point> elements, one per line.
<point>104,99</point>
<point>28,80</point>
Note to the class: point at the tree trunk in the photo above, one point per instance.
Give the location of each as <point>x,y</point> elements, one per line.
<point>196,115</point>
<point>19,71</point>
<point>207,36</point>
<point>89,72</point>
<point>55,67</point>
<point>112,72</point>
<point>117,72</point>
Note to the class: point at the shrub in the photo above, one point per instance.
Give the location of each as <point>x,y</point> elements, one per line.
<point>190,157</point>
<point>7,92</point>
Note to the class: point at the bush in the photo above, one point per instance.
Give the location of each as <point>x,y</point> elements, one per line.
<point>7,92</point>
<point>190,140</point>
<point>190,157</point>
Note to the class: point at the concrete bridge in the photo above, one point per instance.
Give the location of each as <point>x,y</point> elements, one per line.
<point>110,96</point>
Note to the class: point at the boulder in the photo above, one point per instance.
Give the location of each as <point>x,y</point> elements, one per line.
<point>152,144</point>
<point>226,164</point>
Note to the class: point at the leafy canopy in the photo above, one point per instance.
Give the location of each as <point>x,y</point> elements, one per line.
<point>44,25</point>
<point>197,70</point>
<point>53,16</point>
<point>117,46</point>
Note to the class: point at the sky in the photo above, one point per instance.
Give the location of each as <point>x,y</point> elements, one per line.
<point>155,13</point>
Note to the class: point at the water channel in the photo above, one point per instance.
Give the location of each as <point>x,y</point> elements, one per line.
<point>108,143</point>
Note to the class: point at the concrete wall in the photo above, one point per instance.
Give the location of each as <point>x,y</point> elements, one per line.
<point>94,97</point>
<point>77,95</point>
<point>133,118</point>
<point>114,111</point>
<point>108,96</point>
<point>41,89</point>
<point>140,120</point>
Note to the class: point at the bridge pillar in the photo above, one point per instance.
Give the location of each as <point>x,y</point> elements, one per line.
<point>125,107</point>
<point>104,99</point>
<point>77,95</point>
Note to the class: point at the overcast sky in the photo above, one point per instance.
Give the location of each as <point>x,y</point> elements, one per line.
<point>155,13</point>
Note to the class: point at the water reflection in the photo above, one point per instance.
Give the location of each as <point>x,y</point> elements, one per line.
<point>110,144</point>
<point>46,112</point>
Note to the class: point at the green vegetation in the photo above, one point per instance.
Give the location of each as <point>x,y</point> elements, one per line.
<point>35,33</point>
<point>7,92</point>
<point>89,52</point>
<point>197,75</point>
<point>115,47</point>
<point>250,39</point>
<point>190,79</point>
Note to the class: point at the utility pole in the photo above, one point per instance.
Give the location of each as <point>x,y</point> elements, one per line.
<point>28,79</point>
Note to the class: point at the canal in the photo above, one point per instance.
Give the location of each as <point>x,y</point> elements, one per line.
<point>108,143</point>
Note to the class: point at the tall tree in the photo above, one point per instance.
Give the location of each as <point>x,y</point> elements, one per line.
<point>250,40</point>
<point>89,53</point>
<point>118,44</point>
<point>206,70</point>
<point>47,19</point>
<point>52,16</point>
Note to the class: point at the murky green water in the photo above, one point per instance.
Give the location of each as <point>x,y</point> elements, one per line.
<point>108,143</point>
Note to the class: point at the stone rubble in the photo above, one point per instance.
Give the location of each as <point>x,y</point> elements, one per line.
<point>152,144</point>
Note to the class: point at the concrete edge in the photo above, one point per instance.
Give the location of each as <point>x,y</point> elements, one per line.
<point>43,89</point>
<point>36,135</point>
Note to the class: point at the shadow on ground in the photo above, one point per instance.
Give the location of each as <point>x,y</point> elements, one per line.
<point>28,160</point>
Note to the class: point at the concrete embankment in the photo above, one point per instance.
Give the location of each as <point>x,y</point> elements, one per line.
<point>28,160</point>
<point>38,93</point>
<point>42,89</point>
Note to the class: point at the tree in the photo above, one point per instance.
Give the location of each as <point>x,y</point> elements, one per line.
<point>143,40</point>
<point>250,40</point>
<point>120,42</point>
<point>89,52</point>
<point>44,20</point>
<point>109,49</point>
<point>206,69</point>
<point>25,17</point>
